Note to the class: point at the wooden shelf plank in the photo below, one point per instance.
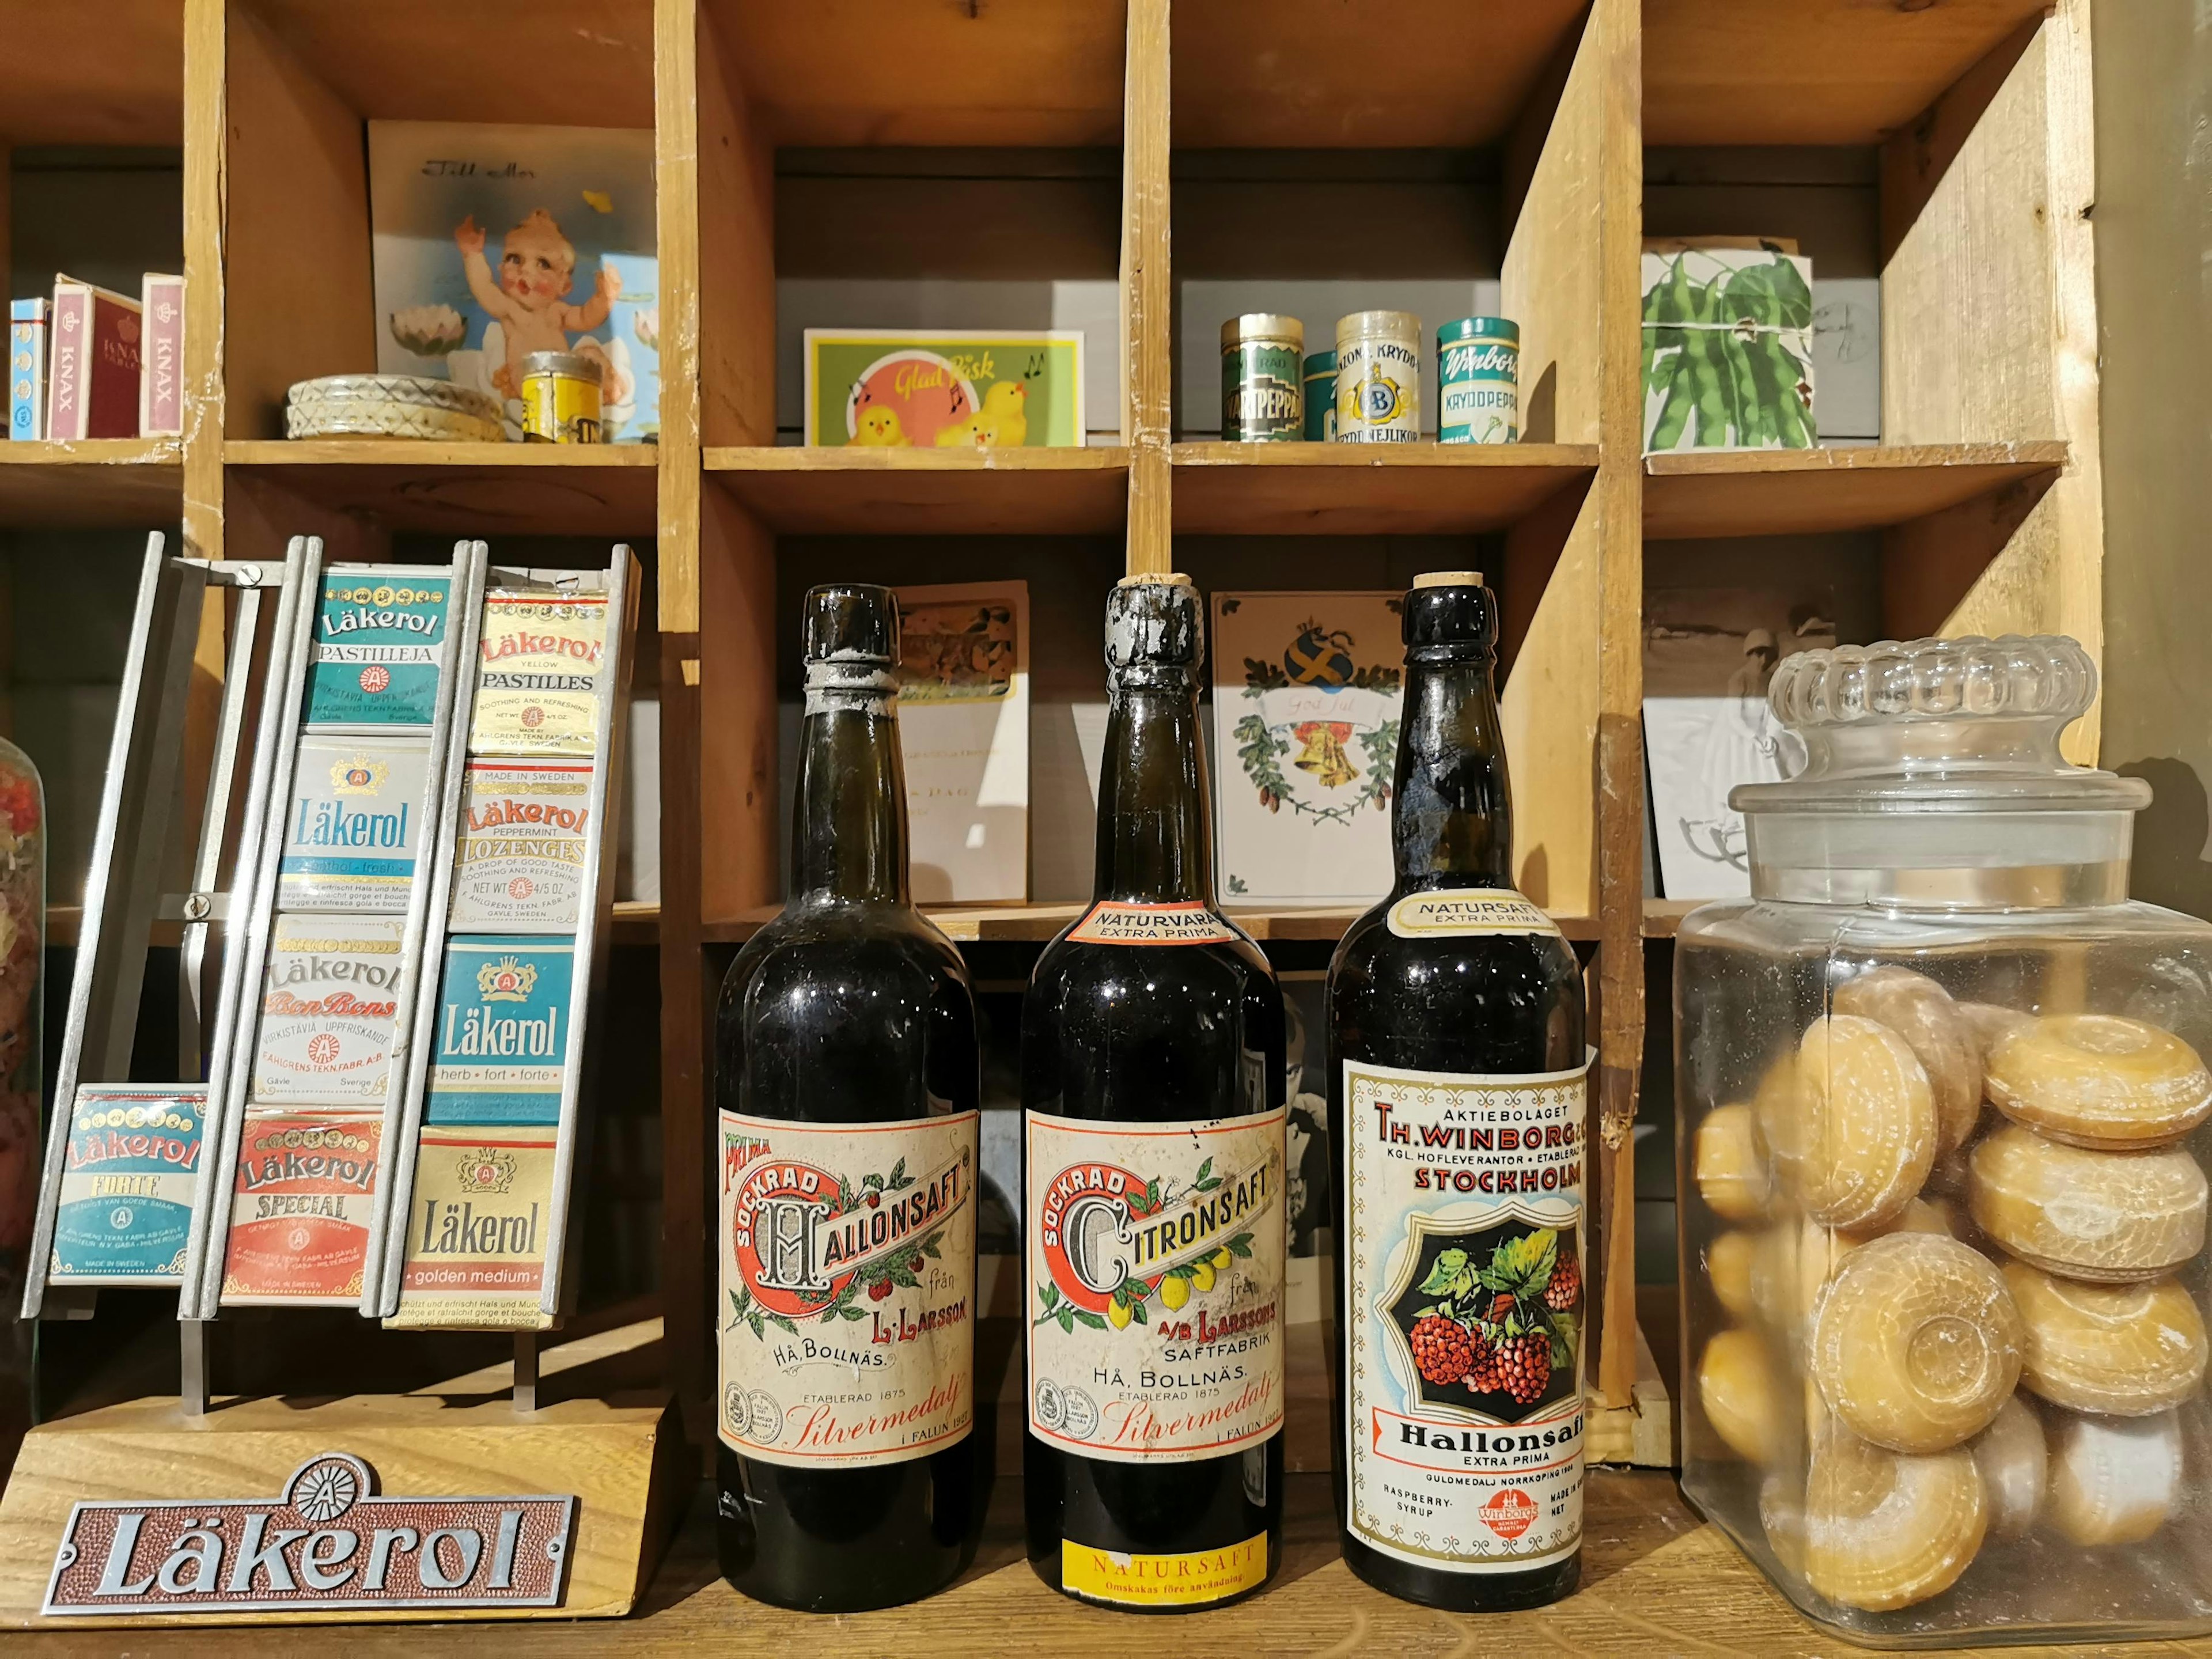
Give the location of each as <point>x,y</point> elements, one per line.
<point>1812,72</point>
<point>937,74</point>
<point>484,489</point>
<point>928,492</point>
<point>1781,492</point>
<point>75,78</point>
<point>1368,490</point>
<point>95,483</point>
<point>1662,918</point>
<point>1301,73</point>
<point>1037,923</point>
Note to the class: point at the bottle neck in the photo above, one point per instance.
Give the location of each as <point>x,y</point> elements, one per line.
<point>1451,823</point>
<point>1155,831</point>
<point>849,824</point>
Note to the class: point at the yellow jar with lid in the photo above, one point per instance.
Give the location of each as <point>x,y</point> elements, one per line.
<point>560,394</point>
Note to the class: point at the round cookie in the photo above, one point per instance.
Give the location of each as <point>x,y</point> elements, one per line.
<point>1884,1529</point>
<point>1915,1342</point>
<point>2115,1482</point>
<point>2106,1216</point>
<point>2014,1465</point>
<point>1737,1385</point>
<point>1866,1121</point>
<point>1728,1270</point>
<point>2100,1080</point>
<point>1921,1012</point>
<point>1731,1175</point>
<point>2123,1350</point>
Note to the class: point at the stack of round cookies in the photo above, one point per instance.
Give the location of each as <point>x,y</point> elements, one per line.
<point>1953,1393</point>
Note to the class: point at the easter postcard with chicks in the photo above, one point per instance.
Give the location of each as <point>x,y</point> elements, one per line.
<point>952,389</point>
<point>492,242</point>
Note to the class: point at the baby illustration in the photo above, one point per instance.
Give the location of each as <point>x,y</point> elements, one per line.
<point>536,267</point>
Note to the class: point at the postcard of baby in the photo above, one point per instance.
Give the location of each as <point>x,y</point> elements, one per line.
<point>492,242</point>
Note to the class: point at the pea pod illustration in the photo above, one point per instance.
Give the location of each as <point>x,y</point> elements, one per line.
<point>1716,361</point>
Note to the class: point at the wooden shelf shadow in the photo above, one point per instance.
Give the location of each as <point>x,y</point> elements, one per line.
<point>1791,492</point>
<point>1368,490</point>
<point>928,492</point>
<point>596,489</point>
<point>99,483</point>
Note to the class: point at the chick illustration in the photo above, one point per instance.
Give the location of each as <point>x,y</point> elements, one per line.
<point>880,426</point>
<point>973,433</point>
<point>1005,411</point>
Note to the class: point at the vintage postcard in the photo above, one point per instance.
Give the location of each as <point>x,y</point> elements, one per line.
<point>964,730</point>
<point>953,389</point>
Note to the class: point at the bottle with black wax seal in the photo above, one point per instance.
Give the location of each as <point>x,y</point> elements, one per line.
<point>1153,1178</point>
<point>851,1472</point>
<point>1457,1102</point>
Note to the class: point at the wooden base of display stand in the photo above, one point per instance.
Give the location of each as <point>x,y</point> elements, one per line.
<point>622,1461</point>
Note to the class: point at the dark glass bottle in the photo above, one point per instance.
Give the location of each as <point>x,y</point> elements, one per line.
<point>1457,1104</point>
<point>850,1471</point>
<point>1153,1172</point>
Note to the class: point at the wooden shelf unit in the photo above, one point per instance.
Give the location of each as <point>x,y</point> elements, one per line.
<point>1986,493</point>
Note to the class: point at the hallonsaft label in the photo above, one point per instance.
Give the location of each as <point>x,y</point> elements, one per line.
<point>1464,1417</point>
<point>537,674</point>
<point>1154,1285</point>
<point>125,1206</point>
<point>847,1315</point>
<point>519,859</point>
<point>327,1008</point>
<point>1112,922</point>
<point>300,1204</point>
<point>379,641</point>
<point>477,1230</point>
<point>1459,911</point>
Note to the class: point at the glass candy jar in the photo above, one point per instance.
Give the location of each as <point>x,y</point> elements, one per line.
<point>1940,1085</point>
<point>23,941</point>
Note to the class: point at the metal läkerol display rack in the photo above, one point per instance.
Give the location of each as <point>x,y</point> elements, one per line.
<point>390,775</point>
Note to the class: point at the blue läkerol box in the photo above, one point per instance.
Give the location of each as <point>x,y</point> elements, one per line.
<point>379,639</point>
<point>503,1036</point>
<point>126,1199</point>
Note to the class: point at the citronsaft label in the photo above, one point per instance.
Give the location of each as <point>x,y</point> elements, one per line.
<point>300,1204</point>
<point>1464,1409</point>
<point>476,1231</point>
<point>501,1043</point>
<point>847,1313</point>
<point>519,859</point>
<point>1154,1285</point>
<point>379,639</point>
<point>1456,912</point>
<point>537,674</point>
<point>125,1206</point>
<point>354,824</point>
<point>327,1009</point>
<point>1110,921</point>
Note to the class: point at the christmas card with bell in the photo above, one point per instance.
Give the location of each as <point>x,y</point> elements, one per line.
<point>1306,689</point>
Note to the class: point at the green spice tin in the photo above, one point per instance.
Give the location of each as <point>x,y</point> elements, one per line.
<point>1478,381</point>
<point>1321,396</point>
<point>1263,399</point>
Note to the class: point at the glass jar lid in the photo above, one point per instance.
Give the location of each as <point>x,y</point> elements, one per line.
<point>1933,775</point>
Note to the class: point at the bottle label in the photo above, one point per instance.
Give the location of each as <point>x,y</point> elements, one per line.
<point>1163,1581</point>
<point>846,1310</point>
<point>1464,1419</point>
<point>1154,1285</point>
<point>1110,921</point>
<point>1468,910</point>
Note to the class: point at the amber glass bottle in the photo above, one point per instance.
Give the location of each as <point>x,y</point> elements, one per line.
<point>850,1469</point>
<point>1153,1170</point>
<point>1456,1107</point>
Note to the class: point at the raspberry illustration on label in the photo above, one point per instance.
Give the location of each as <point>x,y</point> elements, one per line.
<point>1492,1314</point>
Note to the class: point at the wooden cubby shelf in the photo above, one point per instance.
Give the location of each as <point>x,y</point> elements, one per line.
<point>1369,490</point>
<point>928,492</point>
<point>1784,492</point>
<point>98,483</point>
<point>485,489</point>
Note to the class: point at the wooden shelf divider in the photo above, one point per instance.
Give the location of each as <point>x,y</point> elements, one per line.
<point>928,492</point>
<point>92,483</point>
<point>1788,492</point>
<point>1370,490</point>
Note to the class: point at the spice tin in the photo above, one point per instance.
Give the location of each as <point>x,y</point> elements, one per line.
<point>1378,377</point>
<point>519,859</point>
<point>560,398</point>
<point>476,1229</point>
<point>503,1036</point>
<point>1320,398</point>
<point>125,1205</point>
<point>1478,381</point>
<point>327,1009</point>
<point>300,1204</point>
<point>537,674</point>
<point>1263,391</point>
<point>377,645</point>
<point>355,824</point>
